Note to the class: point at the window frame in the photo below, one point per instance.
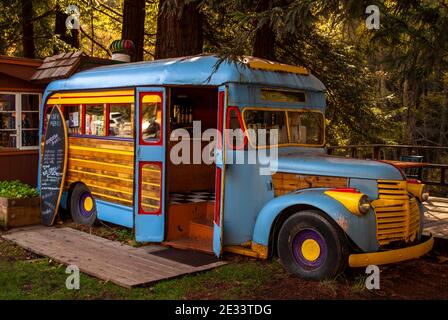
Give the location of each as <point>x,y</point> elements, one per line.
<point>283,90</point>
<point>84,112</point>
<point>142,142</point>
<point>286,111</point>
<point>242,127</point>
<point>104,96</point>
<point>108,105</point>
<point>141,210</point>
<point>18,111</point>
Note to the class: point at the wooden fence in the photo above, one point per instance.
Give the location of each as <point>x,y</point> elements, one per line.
<point>432,172</point>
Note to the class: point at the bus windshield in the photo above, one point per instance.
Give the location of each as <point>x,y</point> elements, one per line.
<point>301,127</point>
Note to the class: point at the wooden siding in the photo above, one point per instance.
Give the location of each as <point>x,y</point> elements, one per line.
<point>287,182</point>
<point>150,187</point>
<point>19,165</point>
<point>105,166</point>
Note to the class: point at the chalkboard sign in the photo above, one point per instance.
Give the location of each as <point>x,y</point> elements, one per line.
<point>53,166</point>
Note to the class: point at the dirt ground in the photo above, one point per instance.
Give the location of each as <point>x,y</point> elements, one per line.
<point>425,278</point>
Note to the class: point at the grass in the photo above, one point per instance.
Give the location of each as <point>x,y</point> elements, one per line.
<point>24,276</point>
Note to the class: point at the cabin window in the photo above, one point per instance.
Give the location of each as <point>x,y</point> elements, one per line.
<point>8,132</point>
<point>306,127</point>
<point>283,96</point>
<point>94,120</point>
<point>19,120</point>
<point>30,119</point>
<point>260,123</point>
<point>121,120</point>
<point>151,118</point>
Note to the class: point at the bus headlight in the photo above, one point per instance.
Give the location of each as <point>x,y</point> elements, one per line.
<point>356,202</point>
<point>418,190</point>
<point>364,204</point>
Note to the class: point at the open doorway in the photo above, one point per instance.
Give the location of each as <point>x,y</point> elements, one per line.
<point>191,187</point>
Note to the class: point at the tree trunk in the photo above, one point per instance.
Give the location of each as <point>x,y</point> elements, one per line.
<point>444,119</point>
<point>27,29</point>
<point>179,30</point>
<point>264,41</point>
<point>409,115</point>
<point>71,37</point>
<point>134,26</point>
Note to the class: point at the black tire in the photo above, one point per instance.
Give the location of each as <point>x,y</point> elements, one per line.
<point>77,200</point>
<point>312,246</point>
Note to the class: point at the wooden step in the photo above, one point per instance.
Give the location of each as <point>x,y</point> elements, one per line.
<point>201,230</point>
<point>189,243</point>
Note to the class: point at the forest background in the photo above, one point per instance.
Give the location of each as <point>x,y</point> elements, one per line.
<point>386,85</point>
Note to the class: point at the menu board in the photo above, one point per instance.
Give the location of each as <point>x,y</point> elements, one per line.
<point>53,166</point>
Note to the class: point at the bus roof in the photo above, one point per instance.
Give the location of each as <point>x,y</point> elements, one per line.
<point>193,70</point>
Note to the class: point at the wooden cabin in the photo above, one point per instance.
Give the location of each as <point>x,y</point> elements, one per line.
<point>19,99</point>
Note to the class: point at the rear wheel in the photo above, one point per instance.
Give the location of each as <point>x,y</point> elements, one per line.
<point>82,205</point>
<point>311,246</point>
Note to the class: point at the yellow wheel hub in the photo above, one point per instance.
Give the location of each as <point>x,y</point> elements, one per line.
<point>88,204</point>
<point>310,249</point>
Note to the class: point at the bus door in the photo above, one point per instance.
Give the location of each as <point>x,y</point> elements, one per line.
<point>150,143</point>
<point>219,175</point>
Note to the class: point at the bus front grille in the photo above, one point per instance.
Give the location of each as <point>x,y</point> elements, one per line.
<point>397,213</point>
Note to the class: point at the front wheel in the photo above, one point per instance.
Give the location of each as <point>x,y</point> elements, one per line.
<point>311,246</point>
<point>82,205</point>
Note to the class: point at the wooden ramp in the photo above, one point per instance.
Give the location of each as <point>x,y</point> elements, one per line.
<point>108,260</point>
<point>436,217</point>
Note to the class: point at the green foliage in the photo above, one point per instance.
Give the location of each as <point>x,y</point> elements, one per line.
<point>363,70</point>
<point>384,86</point>
<point>16,189</point>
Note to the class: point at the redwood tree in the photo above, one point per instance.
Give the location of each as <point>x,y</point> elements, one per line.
<point>264,40</point>
<point>134,26</point>
<point>27,29</point>
<point>179,29</point>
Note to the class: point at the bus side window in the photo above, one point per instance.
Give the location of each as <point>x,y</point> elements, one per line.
<point>72,116</point>
<point>121,118</point>
<point>95,120</point>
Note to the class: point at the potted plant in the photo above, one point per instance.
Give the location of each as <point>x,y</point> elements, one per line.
<point>19,204</point>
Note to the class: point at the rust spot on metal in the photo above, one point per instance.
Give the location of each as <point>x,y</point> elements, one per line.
<point>343,223</point>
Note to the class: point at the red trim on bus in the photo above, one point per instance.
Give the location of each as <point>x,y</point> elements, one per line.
<point>107,120</point>
<point>221,96</point>
<point>217,210</point>
<point>140,167</point>
<point>83,119</point>
<point>149,143</point>
<point>240,121</point>
<point>348,190</point>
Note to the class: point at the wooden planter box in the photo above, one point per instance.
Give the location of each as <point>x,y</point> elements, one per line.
<point>19,212</point>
